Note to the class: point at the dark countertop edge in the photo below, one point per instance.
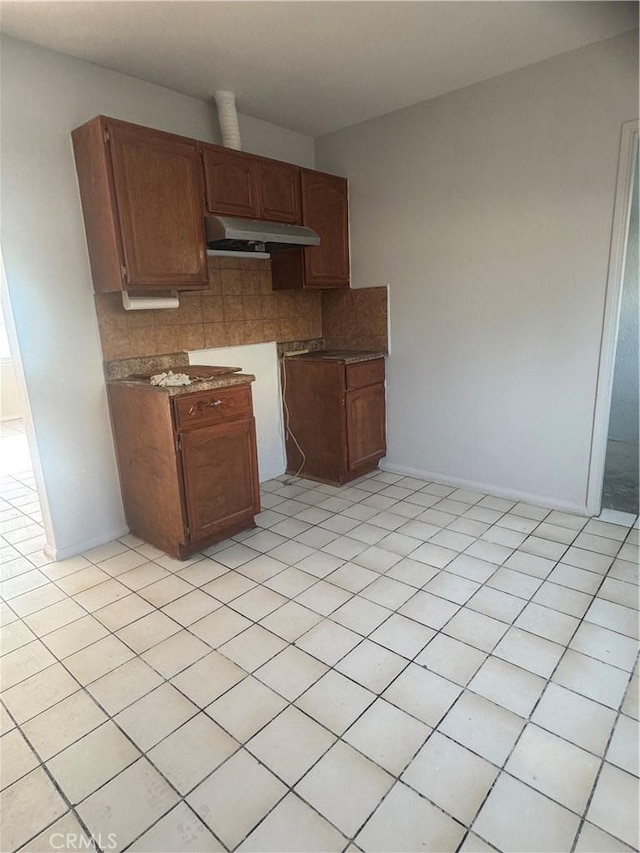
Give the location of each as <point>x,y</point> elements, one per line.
<point>343,358</point>
<point>225,380</point>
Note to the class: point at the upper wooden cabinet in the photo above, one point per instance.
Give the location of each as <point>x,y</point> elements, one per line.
<point>278,191</point>
<point>230,182</point>
<point>145,194</point>
<point>325,208</point>
<point>239,184</point>
<point>141,193</point>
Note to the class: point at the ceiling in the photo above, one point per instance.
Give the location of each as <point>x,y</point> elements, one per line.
<point>312,66</point>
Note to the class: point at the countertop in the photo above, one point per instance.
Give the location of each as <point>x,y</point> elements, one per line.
<point>208,379</point>
<point>341,356</point>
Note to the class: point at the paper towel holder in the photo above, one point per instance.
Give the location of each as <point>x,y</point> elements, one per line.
<point>149,303</point>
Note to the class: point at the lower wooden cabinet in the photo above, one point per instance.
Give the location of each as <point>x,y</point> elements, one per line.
<point>187,463</point>
<point>336,411</point>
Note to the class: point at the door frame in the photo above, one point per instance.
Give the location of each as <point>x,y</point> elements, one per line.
<point>629,139</point>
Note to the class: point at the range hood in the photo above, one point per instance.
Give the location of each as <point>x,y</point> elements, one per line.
<point>255,236</point>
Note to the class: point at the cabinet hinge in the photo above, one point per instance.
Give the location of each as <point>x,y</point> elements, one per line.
<point>124,272</point>
<point>178,442</point>
<point>107,138</point>
<point>187,530</point>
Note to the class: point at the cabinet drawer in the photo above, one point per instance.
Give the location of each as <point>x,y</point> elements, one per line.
<point>365,373</point>
<point>213,407</point>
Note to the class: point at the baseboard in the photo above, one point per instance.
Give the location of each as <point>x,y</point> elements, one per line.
<point>79,548</point>
<point>486,488</point>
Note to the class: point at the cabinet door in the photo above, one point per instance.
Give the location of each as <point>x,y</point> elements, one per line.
<point>230,182</point>
<point>158,189</point>
<point>365,425</point>
<point>325,209</point>
<point>278,191</point>
<point>220,471</point>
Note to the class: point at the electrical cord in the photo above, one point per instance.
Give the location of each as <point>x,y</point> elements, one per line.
<point>287,425</point>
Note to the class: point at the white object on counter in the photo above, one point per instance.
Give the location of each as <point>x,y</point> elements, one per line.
<point>262,361</point>
<point>170,378</point>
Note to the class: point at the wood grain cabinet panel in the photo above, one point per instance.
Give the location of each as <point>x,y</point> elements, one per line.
<point>278,191</point>
<point>220,477</point>
<point>325,208</point>
<point>365,412</point>
<point>186,482</point>
<point>340,431</point>
<point>141,193</point>
<point>231,182</point>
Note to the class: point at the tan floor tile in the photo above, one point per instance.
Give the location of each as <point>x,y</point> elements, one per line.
<point>192,752</point>
<point>92,761</point>
<point>452,659</point>
<point>98,659</point>
<point>39,692</point>
<point>27,807</point>
<point>17,758</point>
<point>293,826</point>
<point>291,672</point>
<point>487,729</point>
<point>594,840</point>
<point>575,718</point>
<point>402,635</point>
<point>252,647</point>
<point>508,685</point>
<point>592,678</point>
<point>423,694</point>
<point>387,735</point>
<point>335,701</point>
<point>216,800</point>
<point>123,612</point>
<point>148,631</point>
<point>513,812</point>
<point>436,772</point>
<point>156,715</point>
<point>219,626</point>
<point>623,750</point>
<point>404,822</point>
<point>208,678</point>
<point>59,726</point>
<point>345,787</point>
<point>179,830</point>
<point>614,807</point>
<point>563,772</point>
<point>18,665</point>
<point>124,685</point>
<point>290,744</point>
<point>246,708</point>
<point>109,810</point>
<point>175,653</point>
<point>75,636</point>
<point>67,826</point>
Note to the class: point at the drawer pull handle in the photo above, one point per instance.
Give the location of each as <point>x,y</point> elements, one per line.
<point>201,405</point>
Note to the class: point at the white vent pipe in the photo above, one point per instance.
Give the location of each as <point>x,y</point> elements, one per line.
<point>228,118</point>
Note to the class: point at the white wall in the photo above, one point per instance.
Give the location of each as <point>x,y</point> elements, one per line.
<point>488,211</point>
<point>44,96</point>
<point>262,361</point>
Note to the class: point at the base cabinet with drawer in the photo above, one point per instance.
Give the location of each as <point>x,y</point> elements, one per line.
<point>336,412</point>
<point>187,463</point>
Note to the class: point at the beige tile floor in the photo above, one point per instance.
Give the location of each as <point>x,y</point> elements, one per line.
<point>392,666</point>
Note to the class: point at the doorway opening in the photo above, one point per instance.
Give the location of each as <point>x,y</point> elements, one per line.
<point>621,473</point>
<point>613,473</point>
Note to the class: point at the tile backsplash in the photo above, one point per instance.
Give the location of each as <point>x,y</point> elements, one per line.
<point>239,307</point>
<point>355,319</point>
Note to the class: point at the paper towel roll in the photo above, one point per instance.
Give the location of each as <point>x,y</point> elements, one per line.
<point>148,303</point>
